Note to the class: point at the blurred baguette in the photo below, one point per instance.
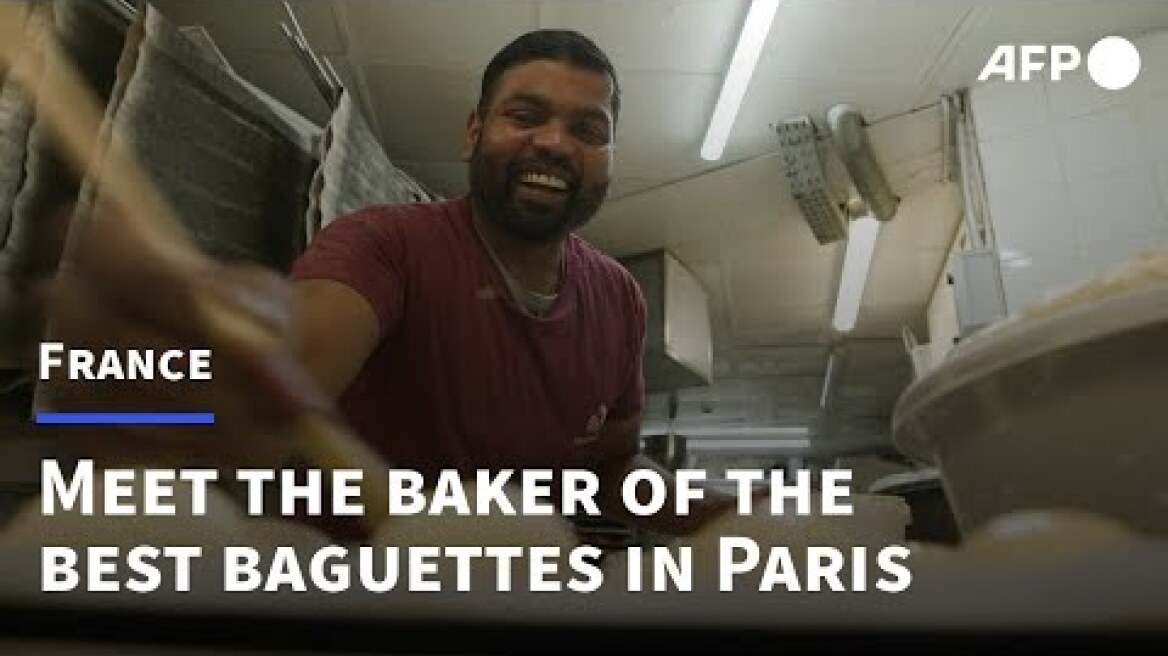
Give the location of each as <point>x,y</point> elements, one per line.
<point>66,105</point>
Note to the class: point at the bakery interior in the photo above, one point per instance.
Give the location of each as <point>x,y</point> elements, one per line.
<point>955,289</point>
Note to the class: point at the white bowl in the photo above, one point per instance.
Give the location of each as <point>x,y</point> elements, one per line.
<point>1067,409</point>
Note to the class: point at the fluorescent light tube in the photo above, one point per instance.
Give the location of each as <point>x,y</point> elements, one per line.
<point>757,445</point>
<point>828,381</point>
<point>717,432</point>
<point>862,234</point>
<point>747,431</point>
<point>750,42</point>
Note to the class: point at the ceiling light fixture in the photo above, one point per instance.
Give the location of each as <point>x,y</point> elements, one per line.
<point>862,234</point>
<point>757,445</point>
<point>829,379</point>
<point>726,432</point>
<point>750,42</point>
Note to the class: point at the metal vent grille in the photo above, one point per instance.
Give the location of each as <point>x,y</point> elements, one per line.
<point>799,148</point>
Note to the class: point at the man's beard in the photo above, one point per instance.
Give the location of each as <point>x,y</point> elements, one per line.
<point>493,186</point>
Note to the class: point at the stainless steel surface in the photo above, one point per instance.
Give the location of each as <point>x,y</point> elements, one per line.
<point>679,349</point>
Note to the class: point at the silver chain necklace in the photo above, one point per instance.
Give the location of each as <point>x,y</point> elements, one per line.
<point>533,303</point>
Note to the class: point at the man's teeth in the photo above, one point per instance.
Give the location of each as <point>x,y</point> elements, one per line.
<point>544,180</point>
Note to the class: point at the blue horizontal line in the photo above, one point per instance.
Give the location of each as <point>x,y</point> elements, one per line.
<point>113,418</point>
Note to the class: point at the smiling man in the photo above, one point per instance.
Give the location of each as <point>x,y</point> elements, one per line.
<point>480,332</point>
<point>477,333</point>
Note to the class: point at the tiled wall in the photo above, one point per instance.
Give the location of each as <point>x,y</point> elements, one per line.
<point>1077,176</point>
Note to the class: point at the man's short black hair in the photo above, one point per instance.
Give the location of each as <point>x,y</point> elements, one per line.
<point>565,46</point>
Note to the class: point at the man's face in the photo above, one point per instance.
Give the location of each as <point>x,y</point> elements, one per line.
<point>541,155</point>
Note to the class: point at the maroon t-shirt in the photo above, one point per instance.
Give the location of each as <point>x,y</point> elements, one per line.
<point>462,378</point>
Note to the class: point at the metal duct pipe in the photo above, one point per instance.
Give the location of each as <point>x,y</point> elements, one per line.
<point>949,117</point>
<point>851,142</point>
<point>968,208</point>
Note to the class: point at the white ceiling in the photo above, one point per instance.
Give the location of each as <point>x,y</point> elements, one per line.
<point>415,65</point>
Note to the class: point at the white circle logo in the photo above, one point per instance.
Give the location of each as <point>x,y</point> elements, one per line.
<point>1114,63</point>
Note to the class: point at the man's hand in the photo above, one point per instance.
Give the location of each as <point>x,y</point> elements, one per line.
<point>120,289</point>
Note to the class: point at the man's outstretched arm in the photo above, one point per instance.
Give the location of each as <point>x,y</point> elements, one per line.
<point>336,331</point>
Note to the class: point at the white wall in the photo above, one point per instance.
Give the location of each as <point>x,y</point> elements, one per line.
<point>1077,176</point>
<point>941,313</point>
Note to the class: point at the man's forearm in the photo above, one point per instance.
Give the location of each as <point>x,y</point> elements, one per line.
<point>667,520</point>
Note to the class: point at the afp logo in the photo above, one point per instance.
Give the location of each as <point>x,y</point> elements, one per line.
<point>1113,62</point>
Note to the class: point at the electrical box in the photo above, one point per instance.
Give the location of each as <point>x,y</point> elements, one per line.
<point>977,289</point>
<point>679,351</point>
<point>804,169</point>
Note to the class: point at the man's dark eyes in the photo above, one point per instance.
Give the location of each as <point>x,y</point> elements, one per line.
<point>589,130</point>
<point>524,116</point>
<point>592,132</point>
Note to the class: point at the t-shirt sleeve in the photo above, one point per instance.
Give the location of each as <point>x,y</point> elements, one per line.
<point>364,252</point>
<point>631,401</point>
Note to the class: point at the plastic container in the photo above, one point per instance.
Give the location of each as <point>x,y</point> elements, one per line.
<point>1065,408</point>
<point>932,519</point>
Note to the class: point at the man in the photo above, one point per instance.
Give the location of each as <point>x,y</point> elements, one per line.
<point>475,333</point>
<point>480,332</point>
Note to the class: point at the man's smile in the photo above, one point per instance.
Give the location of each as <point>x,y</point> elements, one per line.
<point>544,180</point>
<point>542,186</point>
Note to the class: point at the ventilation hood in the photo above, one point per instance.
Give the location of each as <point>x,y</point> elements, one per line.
<point>679,351</point>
